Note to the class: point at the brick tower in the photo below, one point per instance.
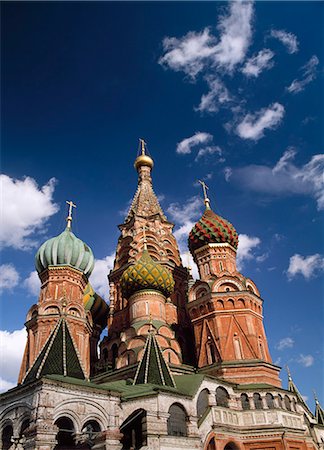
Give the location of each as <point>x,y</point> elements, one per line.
<point>226,308</point>
<point>136,303</point>
<point>65,325</point>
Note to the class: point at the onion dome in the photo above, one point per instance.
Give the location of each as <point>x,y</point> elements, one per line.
<point>212,229</point>
<point>65,249</point>
<point>96,305</point>
<point>146,274</point>
<point>143,159</point>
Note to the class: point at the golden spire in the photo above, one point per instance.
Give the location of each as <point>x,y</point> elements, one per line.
<point>143,159</point>
<point>206,199</point>
<point>69,217</point>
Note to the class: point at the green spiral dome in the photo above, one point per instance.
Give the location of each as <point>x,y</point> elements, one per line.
<point>65,249</point>
<point>212,229</point>
<point>146,274</point>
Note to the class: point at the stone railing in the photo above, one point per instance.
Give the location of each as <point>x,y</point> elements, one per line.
<point>256,418</point>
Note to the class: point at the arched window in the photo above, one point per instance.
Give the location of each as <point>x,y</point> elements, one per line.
<point>287,403</point>
<point>134,430</point>
<point>257,401</point>
<point>211,352</point>
<point>24,427</point>
<point>231,446</point>
<point>294,405</point>
<point>245,402</point>
<point>7,433</point>
<point>230,304</point>
<point>222,397</point>
<point>202,402</point>
<point>211,444</point>
<point>177,421</point>
<point>270,401</point>
<point>90,431</point>
<point>279,401</point>
<point>65,435</point>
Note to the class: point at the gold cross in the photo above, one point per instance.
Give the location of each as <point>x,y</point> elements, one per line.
<point>142,144</point>
<point>205,187</point>
<point>69,217</point>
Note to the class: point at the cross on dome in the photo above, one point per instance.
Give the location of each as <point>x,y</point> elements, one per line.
<point>143,146</point>
<point>69,217</point>
<point>205,188</point>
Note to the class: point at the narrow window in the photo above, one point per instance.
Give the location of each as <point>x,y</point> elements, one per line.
<point>270,401</point>
<point>257,401</point>
<point>245,402</point>
<point>222,397</point>
<point>237,348</point>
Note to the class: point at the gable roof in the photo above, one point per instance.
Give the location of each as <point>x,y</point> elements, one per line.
<point>319,413</point>
<point>152,368</point>
<point>58,356</point>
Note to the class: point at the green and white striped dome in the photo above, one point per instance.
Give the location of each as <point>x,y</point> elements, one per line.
<point>65,249</point>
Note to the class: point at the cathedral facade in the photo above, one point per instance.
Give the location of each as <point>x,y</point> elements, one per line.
<point>185,364</point>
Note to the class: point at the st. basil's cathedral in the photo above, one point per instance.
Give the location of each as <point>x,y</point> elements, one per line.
<point>185,364</point>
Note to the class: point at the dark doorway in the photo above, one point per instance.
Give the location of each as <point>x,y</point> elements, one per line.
<point>134,430</point>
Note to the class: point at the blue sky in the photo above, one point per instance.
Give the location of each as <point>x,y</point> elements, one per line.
<point>226,92</point>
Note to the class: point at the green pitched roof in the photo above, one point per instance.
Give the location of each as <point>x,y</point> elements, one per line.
<point>153,369</point>
<point>293,388</point>
<point>319,413</point>
<point>58,356</point>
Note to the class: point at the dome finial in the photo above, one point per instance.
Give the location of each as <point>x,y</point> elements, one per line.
<point>69,217</point>
<point>206,199</point>
<point>142,143</point>
<point>143,159</point>
<point>288,373</point>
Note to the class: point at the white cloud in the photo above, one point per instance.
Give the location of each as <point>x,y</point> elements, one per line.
<point>288,39</point>
<point>12,346</point>
<point>184,216</point>
<point>32,283</point>
<point>309,72</point>
<point>26,210</point>
<point>188,211</point>
<point>254,125</point>
<point>255,65</point>
<point>197,51</point>
<point>9,277</point>
<point>284,343</point>
<point>209,150</point>
<point>236,34</point>
<point>285,177</point>
<point>6,385</point>
<point>306,360</point>
<point>307,266</point>
<point>245,248</point>
<point>188,54</point>
<point>217,95</point>
<point>187,261</point>
<point>186,145</point>
<point>98,278</point>
<point>227,173</point>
